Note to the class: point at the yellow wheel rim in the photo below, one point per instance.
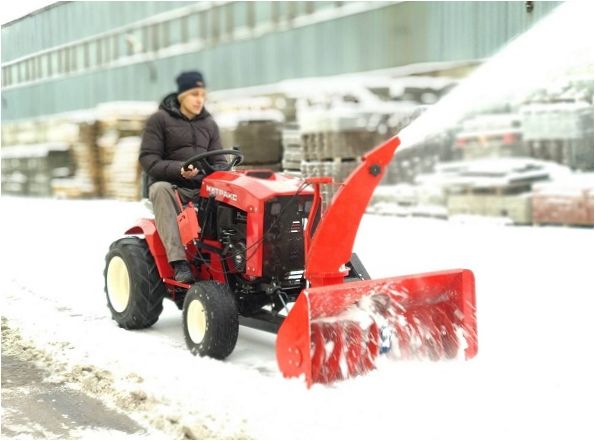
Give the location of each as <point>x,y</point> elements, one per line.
<point>118,284</point>
<point>196,321</point>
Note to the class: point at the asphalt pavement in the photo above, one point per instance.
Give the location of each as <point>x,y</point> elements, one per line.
<point>32,408</point>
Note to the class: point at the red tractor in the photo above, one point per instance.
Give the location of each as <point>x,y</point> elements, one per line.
<point>265,256</point>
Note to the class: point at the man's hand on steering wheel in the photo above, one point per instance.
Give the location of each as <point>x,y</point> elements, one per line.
<point>190,172</point>
<point>199,163</point>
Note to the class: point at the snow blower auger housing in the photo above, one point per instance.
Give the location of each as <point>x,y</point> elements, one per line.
<point>264,255</point>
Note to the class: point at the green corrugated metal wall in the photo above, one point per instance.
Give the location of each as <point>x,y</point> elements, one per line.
<point>388,35</point>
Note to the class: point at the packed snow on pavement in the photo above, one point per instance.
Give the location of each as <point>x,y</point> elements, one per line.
<point>531,379</point>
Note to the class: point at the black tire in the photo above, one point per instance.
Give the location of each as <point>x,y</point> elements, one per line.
<point>211,322</point>
<point>133,287</point>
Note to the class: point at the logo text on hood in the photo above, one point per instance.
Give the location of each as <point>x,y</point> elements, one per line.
<point>220,192</point>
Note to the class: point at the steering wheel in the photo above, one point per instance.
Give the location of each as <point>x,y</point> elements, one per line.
<point>201,162</point>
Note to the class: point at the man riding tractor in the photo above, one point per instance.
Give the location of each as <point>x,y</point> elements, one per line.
<point>180,129</point>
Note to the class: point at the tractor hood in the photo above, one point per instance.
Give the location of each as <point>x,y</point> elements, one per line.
<point>250,189</point>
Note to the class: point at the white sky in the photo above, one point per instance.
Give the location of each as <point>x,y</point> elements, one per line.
<point>12,10</point>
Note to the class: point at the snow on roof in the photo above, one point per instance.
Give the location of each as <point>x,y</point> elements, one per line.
<point>498,172</point>
<point>126,108</point>
<point>32,150</point>
<point>572,184</point>
<point>571,107</point>
<point>492,121</point>
<point>230,120</point>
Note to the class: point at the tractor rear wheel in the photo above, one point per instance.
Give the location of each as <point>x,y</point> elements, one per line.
<point>211,322</point>
<point>133,287</point>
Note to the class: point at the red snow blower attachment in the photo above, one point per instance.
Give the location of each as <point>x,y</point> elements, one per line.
<point>337,329</point>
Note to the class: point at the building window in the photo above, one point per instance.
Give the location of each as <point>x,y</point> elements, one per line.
<point>263,12</point>
<point>23,71</point>
<point>39,63</point>
<point>92,50</point>
<point>7,75</point>
<point>203,26</point>
<point>145,40</point>
<point>240,15</point>
<point>165,34</point>
<point>250,14</point>
<point>292,10</point>
<point>215,24</point>
<point>66,60</point>
<point>115,47</point>
<point>86,57</point>
<point>106,42</point>
<point>99,53</point>
<point>227,19</point>
<point>275,12</point>
<point>52,62</point>
<point>32,68</point>
<point>74,64</point>
<point>184,34</point>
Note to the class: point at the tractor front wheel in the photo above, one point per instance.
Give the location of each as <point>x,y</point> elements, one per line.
<point>211,322</point>
<point>133,287</point>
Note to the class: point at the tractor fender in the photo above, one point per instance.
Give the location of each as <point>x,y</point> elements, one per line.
<point>148,228</point>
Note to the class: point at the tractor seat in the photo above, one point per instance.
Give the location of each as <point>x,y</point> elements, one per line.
<point>144,192</point>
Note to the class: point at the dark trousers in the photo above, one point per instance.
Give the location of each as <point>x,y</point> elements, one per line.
<point>166,209</point>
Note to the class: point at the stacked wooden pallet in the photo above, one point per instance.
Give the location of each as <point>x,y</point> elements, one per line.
<point>122,175</point>
<point>118,138</point>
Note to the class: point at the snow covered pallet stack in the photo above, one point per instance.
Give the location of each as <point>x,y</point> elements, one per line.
<point>119,127</point>
<point>564,202</point>
<point>293,152</point>
<point>258,135</point>
<point>493,188</point>
<point>333,143</point>
<point>560,132</point>
<point>30,169</point>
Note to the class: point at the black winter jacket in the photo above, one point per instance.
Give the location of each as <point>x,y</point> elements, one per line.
<point>170,138</point>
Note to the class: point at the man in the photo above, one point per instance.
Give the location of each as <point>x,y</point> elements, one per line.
<point>180,129</point>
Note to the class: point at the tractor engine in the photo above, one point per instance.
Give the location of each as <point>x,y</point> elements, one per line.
<point>260,238</point>
<point>281,242</point>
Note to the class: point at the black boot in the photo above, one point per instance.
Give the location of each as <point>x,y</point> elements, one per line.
<point>182,272</point>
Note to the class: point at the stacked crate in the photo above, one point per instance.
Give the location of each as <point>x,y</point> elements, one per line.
<point>293,153</point>
<point>560,132</point>
<point>567,202</point>
<point>30,169</point>
<point>333,144</point>
<point>257,134</point>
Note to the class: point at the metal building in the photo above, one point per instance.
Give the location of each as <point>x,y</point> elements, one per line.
<point>74,55</point>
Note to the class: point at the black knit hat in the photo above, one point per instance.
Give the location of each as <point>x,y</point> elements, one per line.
<point>189,80</point>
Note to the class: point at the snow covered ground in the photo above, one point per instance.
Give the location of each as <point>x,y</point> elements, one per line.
<point>532,379</point>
